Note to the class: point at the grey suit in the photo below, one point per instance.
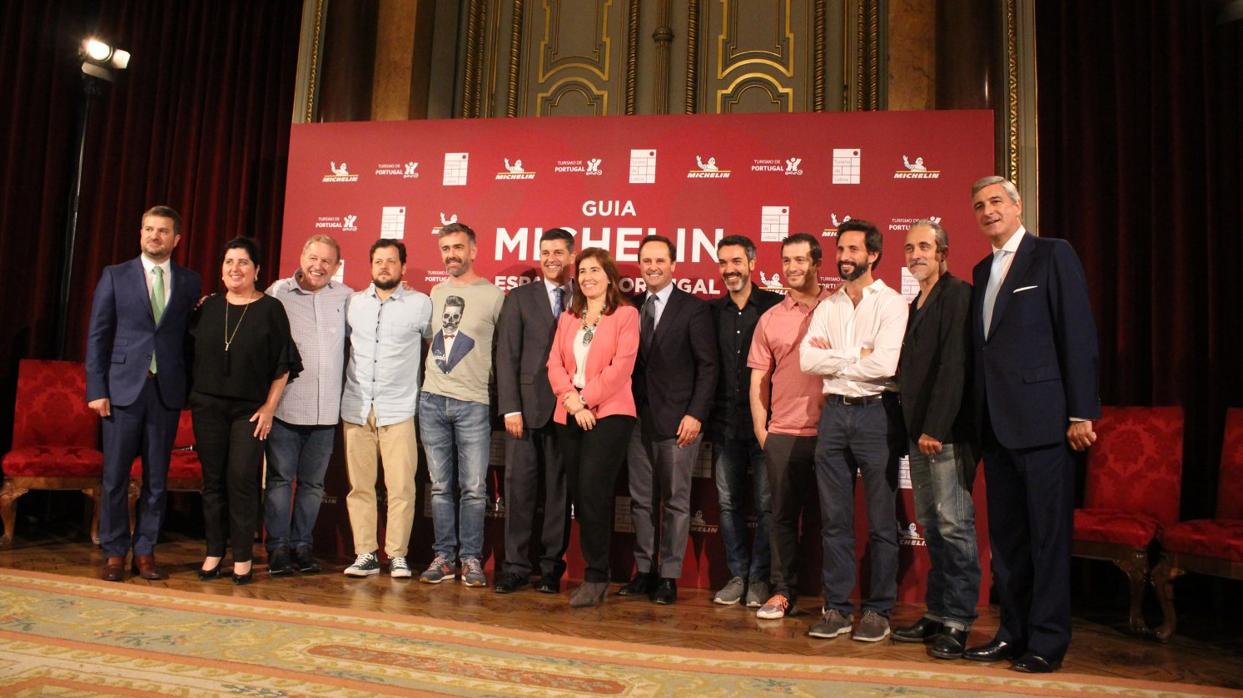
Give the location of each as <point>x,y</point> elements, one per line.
<point>524,335</point>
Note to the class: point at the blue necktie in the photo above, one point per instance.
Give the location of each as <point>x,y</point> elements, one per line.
<point>558,303</point>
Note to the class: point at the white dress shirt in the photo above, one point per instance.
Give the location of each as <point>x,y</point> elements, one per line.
<point>167,266</point>
<point>662,299</point>
<point>878,322</point>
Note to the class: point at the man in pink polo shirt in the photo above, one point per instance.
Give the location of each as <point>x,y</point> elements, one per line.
<point>785,409</point>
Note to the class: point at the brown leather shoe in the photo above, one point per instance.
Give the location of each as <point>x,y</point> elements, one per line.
<point>144,565</point>
<point>114,569</point>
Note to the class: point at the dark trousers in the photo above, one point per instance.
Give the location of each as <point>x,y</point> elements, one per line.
<point>1030,525</point>
<point>144,428</point>
<point>854,438</point>
<point>592,460</point>
<point>530,462</point>
<point>232,459</point>
<point>660,497</point>
<point>790,462</point>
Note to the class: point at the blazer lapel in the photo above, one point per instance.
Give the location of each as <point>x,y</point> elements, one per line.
<point>139,284</point>
<point>670,315</point>
<point>929,303</point>
<point>1022,260</point>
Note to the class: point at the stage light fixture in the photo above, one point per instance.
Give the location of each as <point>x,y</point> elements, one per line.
<point>100,58</point>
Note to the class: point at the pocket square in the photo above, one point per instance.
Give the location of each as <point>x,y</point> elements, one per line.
<point>1025,288</point>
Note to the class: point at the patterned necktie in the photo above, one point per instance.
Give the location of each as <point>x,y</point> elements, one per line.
<point>990,292</point>
<point>157,301</point>
<point>558,303</point>
<point>647,323</point>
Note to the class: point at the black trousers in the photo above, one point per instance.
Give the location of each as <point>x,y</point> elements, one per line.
<point>592,460</point>
<point>232,461</point>
<point>791,462</point>
<point>530,462</point>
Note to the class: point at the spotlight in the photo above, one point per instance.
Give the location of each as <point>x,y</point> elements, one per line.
<point>99,57</point>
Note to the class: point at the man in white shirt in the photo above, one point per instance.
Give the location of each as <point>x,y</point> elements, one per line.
<point>853,342</point>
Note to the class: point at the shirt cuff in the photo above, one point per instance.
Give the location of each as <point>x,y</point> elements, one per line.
<point>510,414</point>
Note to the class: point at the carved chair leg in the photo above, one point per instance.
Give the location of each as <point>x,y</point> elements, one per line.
<point>1136,569</point>
<point>8,510</point>
<point>1163,576</point>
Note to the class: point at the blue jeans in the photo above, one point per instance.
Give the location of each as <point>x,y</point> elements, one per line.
<point>734,463</point>
<point>850,437</point>
<point>944,509</point>
<point>298,454</point>
<point>458,428</point>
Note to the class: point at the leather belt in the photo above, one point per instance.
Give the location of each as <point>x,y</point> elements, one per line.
<point>834,399</point>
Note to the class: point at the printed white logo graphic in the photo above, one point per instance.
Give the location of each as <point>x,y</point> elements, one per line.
<point>456,165</point>
<point>340,173</point>
<point>589,167</point>
<point>339,277</point>
<point>915,170</point>
<point>785,166</point>
<point>514,170</point>
<point>642,166</point>
<point>699,525</point>
<point>847,163</point>
<point>910,285</point>
<point>774,223</point>
<point>773,281</point>
<point>707,170</point>
<point>350,223</point>
<point>593,166</point>
<point>405,170</point>
<point>831,231</point>
<point>393,222</point>
<point>444,221</point>
<point>901,225</point>
<point>793,166</point>
<point>910,536</point>
<point>409,169</point>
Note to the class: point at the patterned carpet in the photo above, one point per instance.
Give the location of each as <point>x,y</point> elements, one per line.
<point>64,636</point>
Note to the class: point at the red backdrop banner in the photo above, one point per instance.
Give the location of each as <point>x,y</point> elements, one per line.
<point>613,180</point>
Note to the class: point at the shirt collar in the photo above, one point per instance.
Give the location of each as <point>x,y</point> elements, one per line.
<point>550,287</point>
<point>398,293</point>
<point>292,284</point>
<point>663,294</point>
<point>871,289</point>
<point>148,265</point>
<point>788,302</point>
<point>1012,244</point>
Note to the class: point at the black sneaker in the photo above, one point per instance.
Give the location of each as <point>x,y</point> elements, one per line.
<point>279,563</point>
<point>305,560</point>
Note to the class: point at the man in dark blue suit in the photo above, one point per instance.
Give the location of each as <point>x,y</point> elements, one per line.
<point>1036,394</point>
<point>136,377</point>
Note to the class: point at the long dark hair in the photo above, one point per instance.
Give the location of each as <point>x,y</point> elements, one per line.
<point>612,296</point>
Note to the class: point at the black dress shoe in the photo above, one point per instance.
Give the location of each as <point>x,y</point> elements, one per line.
<point>509,583</point>
<point>213,573</point>
<point>923,630</point>
<point>1032,663</point>
<point>280,564</point>
<point>243,579</point>
<point>994,651</point>
<point>548,584</point>
<point>304,560</point>
<point>666,592</point>
<point>642,585</point>
<point>948,644</point>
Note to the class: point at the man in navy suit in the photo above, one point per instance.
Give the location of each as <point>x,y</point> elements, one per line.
<point>136,377</point>
<point>1035,396</point>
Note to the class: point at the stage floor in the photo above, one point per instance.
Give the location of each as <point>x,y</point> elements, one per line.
<point>1100,646</point>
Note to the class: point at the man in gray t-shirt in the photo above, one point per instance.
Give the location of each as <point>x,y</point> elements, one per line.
<point>454,407</point>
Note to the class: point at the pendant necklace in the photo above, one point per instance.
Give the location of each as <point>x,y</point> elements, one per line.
<point>228,338</point>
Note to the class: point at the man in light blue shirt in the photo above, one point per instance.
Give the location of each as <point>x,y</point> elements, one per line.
<point>387,323</point>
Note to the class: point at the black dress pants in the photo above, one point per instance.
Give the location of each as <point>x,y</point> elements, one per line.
<point>592,461</point>
<point>232,459</point>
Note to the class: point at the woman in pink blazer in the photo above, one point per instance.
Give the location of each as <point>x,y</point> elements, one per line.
<point>589,367</point>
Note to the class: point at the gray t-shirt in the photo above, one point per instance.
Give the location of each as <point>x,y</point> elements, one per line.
<point>459,363</point>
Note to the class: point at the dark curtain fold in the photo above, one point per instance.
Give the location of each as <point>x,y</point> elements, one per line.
<point>1139,153</point>
<point>199,121</point>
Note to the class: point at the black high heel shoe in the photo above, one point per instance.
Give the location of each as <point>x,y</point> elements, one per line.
<point>208,575</point>
<point>242,579</point>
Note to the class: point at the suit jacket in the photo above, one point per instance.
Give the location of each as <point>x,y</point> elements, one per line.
<point>1038,367</point>
<point>123,335</point>
<point>677,376</point>
<point>935,365</point>
<point>523,337</point>
<point>610,363</point>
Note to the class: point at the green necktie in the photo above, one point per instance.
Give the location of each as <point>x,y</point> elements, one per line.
<point>157,303</point>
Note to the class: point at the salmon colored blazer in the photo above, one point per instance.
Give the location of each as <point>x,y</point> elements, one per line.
<point>610,362</point>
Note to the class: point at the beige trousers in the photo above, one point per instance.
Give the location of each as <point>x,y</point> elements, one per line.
<point>398,449</point>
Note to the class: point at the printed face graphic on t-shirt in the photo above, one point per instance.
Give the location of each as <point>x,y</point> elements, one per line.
<point>450,345</point>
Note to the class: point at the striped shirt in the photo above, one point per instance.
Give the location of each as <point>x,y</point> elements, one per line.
<point>317,323</point>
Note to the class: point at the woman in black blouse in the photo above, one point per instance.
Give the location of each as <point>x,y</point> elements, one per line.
<point>243,357</point>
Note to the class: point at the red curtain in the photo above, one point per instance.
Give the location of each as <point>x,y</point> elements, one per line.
<point>1139,122</point>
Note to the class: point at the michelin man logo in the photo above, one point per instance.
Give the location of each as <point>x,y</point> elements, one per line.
<point>917,166</point>
<point>831,232</point>
<point>342,170</point>
<point>446,221</point>
<point>773,281</point>
<point>707,169</point>
<point>915,170</point>
<point>515,168</point>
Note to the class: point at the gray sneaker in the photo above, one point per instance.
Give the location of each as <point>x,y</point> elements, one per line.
<point>757,593</point>
<point>438,571</point>
<point>472,573</point>
<point>398,568</point>
<point>873,627</point>
<point>830,625</point>
<point>731,593</point>
<point>364,565</point>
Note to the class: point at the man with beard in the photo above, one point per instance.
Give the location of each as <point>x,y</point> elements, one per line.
<point>785,407</point>
<point>932,379</point>
<point>387,323</point>
<point>737,459</point>
<point>674,378</point>
<point>523,337</point>
<point>305,426</point>
<point>1035,396</point>
<point>853,343</point>
<point>453,408</point>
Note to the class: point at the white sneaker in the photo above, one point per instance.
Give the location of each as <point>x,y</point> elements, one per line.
<point>398,569</point>
<point>364,565</point>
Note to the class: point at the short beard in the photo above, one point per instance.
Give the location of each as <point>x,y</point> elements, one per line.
<point>387,285</point>
<point>859,271</point>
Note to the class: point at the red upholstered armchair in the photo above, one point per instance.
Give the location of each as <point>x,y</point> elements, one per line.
<point>185,472</point>
<point>55,439</point>
<point>1208,546</point>
<point>1132,493</point>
